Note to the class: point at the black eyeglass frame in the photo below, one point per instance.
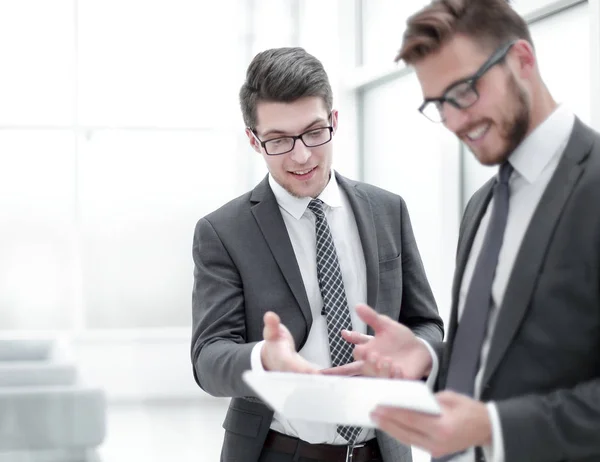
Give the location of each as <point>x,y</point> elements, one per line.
<point>295,138</point>
<point>494,59</point>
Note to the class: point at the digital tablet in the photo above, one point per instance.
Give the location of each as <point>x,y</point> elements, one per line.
<point>338,399</point>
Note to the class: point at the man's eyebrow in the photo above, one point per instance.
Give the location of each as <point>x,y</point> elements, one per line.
<point>451,85</point>
<point>284,133</point>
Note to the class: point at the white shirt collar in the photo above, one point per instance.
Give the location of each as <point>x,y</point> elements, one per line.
<point>296,206</point>
<point>543,143</point>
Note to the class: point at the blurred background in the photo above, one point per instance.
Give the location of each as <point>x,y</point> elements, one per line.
<point>120,128</point>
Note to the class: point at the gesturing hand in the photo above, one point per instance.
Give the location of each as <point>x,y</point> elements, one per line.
<point>355,367</point>
<point>278,352</point>
<point>394,351</point>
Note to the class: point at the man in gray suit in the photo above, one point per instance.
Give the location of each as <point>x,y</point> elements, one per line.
<point>278,248</point>
<point>520,369</point>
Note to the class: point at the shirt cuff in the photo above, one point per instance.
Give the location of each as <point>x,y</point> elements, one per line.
<point>435,365</point>
<point>255,361</point>
<point>495,452</point>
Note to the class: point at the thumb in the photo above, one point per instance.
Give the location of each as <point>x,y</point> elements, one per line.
<point>271,331</point>
<point>448,398</point>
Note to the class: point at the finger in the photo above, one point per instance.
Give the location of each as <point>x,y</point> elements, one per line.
<point>397,372</point>
<point>271,330</point>
<point>363,351</point>
<point>384,367</point>
<point>368,370</point>
<point>371,317</point>
<point>415,421</point>
<point>449,399</point>
<point>447,396</point>
<point>371,365</point>
<point>372,358</point>
<point>402,433</point>
<point>350,369</point>
<point>300,365</point>
<point>354,337</point>
<point>389,368</point>
<point>360,352</point>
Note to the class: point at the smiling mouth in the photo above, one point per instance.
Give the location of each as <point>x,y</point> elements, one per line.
<point>478,132</point>
<point>302,172</point>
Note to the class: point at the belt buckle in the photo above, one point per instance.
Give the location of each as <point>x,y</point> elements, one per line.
<point>350,450</point>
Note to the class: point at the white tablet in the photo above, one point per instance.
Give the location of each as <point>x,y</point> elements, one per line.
<point>338,399</point>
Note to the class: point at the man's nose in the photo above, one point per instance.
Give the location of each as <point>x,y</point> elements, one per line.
<point>300,154</point>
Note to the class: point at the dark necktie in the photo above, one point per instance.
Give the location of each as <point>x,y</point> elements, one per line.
<point>472,327</point>
<point>335,305</point>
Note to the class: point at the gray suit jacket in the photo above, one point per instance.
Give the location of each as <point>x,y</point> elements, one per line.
<point>245,266</point>
<point>543,368</point>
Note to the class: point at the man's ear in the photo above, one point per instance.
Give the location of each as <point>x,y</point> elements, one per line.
<point>526,59</point>
<point>334,120</point>
<point>253,140</point>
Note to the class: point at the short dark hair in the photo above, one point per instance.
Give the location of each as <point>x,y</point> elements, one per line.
<point>491,22</point>
<point>283,75</point>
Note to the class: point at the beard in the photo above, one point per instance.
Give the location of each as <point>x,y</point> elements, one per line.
<point>516,129</point>
<point>512,126</point>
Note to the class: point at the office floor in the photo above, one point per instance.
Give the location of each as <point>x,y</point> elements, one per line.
<point>158,432</point>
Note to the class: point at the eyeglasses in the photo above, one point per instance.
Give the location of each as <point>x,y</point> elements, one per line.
<point>462,94</point>
<point>284,144</point>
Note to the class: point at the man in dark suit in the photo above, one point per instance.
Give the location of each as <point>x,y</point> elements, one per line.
<point>307,244</point>
<point>520,368</point>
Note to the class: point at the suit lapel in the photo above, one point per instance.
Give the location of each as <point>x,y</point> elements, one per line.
<point>471,225</point>
<point>365,223</point>
<point>533,249</point>
<point>269,219</point>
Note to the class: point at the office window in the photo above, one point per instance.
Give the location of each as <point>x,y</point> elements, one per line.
<point>383,23</point>
<point>526,7</point>
<point>36,51</point>
<point>407,154</point>
<point>37,229</point>
<point>273,24</point>
<point>141,194</point>
<point>120,129</point>
<point>166,64</point>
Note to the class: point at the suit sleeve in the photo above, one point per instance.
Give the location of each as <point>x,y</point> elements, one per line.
<point>561,425</point>
<point>419,311</point>
<point>219,350</point>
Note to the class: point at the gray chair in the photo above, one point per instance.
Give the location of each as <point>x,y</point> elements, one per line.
<point>46,415</point>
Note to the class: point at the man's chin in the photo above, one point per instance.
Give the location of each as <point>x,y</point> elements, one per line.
<point>307,189</point>
<point>303,192</point>
<point>298,192</point>
<point>490,159</point>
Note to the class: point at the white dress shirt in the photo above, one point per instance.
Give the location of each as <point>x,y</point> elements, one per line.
<point>300,224</point>
<point>534,162</point>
